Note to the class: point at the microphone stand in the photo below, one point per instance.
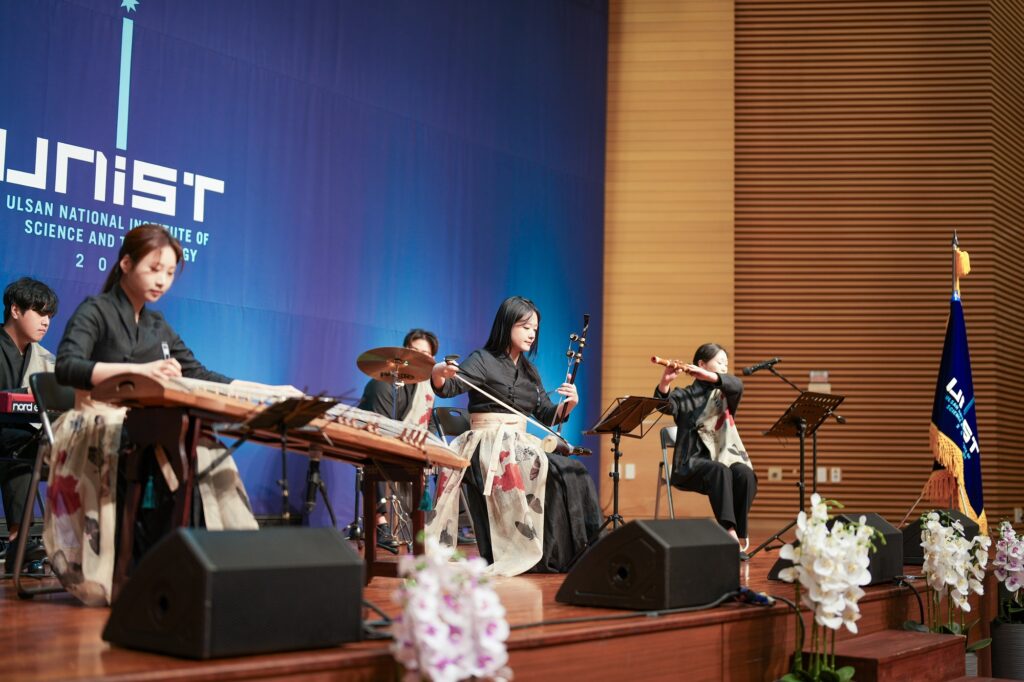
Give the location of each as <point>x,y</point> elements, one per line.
<point>315,483</point>
<point>801,426</point>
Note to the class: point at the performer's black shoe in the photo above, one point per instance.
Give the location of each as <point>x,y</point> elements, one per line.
<point>34,551</point>
<point>385,540</point>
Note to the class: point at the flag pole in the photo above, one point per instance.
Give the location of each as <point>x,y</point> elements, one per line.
<point>956,280</point>
<point>956,296</point>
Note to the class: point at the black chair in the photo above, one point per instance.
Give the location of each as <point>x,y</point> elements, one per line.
<point>50,397</point>
<point>450,422</point>
<point>33,436</point>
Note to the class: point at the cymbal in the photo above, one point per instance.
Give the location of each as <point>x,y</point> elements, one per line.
<point>392,364</point>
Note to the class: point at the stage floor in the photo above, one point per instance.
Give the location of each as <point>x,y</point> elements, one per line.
<point>52,637</point>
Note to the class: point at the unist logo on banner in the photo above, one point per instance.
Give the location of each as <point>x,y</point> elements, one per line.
<point>177,198</point>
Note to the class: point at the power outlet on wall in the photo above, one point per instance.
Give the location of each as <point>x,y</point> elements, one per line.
<point>821,476</point>
<point>774,473</point>
<point>630,471</point>
<point>835,475</point>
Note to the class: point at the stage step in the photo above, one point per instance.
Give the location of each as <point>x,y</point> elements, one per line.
<point>903,656</point>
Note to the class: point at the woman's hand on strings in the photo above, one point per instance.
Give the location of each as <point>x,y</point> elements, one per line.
<point>568,391</point>
<point>570,399</point>
<point>160,369</point>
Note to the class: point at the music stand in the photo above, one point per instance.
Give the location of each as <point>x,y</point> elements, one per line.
<point>621,417</point>
<point>290,413</point>
<point>801,419</point>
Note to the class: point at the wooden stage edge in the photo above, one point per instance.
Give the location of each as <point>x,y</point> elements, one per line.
<point>54,638</point>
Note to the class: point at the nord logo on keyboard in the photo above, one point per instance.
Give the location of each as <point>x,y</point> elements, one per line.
<point>17,403</point>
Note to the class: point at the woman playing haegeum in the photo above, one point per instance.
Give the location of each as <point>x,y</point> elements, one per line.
<point>531,510</point>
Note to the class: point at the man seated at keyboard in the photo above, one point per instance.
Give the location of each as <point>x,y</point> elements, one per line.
<point>29,305</point>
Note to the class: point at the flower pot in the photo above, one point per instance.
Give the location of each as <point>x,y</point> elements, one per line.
<point>1008,650</point>
<point>971,664</point>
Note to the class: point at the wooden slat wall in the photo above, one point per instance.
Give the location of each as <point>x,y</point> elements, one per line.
<point>866,132</point>
<point>668,207</point>
<point>1005,480</point>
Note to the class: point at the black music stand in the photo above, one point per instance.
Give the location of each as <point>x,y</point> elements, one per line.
<point>620,418</point>
<point>801,419</point>
<point>290,413</point>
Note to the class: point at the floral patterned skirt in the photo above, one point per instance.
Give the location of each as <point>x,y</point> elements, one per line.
<point>532,511</point>
<point>80,521</point>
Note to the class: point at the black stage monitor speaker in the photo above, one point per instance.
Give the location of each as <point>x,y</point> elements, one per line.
<point>655,565</point>
<point>206,594</point>
<point>886,562</point>
<point>913,554</point>
<point>887,559</point>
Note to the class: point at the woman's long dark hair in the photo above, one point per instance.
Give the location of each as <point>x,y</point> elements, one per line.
<point>706,352</point>
<point>138,244</point>
<point>512,310</point>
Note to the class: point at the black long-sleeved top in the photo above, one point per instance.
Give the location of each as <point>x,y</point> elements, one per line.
<point>686,405</point>
<point>377,398</point>
<point>12,364</point>
<point>503,379</point>
<point>103,329</point>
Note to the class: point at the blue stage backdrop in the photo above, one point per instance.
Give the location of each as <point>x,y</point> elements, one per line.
<point>337,172</point>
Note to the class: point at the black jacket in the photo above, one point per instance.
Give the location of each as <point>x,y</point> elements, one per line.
<point>103,329</point>
<point>12,375</point>
<point>378,398</point>
<point>686,405</point>
<point>12,364</point>
<point>510,382</point>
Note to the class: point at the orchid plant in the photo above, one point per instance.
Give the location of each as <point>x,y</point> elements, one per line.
<point>954,568</point>
<point>452,626</point>
<point>830,568</point>
<point>1009,570</point>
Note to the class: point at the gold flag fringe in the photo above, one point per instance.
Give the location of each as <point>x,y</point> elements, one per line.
<point>946,452</point>
<point>943,485</point>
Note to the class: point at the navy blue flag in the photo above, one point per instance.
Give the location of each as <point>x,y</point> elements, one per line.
<point>954,427</point>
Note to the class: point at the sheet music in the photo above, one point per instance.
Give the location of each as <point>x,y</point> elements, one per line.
<point>252,394</point>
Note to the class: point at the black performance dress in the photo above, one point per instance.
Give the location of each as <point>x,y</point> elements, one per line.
<point>87,474</point>
<point>520,525</point>
<point>729,487</point>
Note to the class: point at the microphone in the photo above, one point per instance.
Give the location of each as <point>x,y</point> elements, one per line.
<point>312,479</point>
<point>747,371</point>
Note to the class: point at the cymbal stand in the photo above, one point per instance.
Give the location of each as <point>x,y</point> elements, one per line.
<point>398,518</point>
